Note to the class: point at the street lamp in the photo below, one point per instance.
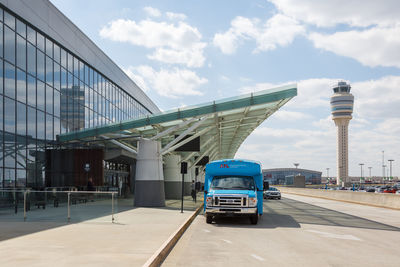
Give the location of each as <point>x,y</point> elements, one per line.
<point>361,165</point>
<point>390,161</point>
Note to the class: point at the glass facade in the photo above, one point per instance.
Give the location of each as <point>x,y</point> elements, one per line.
<point>45,90</point>
<point>285,175</point>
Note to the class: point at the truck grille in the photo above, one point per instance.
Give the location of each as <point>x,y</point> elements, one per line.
<point>230,201</point>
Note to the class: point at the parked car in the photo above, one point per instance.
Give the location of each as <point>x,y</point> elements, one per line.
<point>371,189</point>
<point>390,190</point>
<point>272,192</point>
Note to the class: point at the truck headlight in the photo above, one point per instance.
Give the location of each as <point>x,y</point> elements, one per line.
<point>209,201</point>
<point>252,201</point>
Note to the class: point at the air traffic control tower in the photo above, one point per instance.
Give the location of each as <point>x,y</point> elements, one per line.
<point>342,107</point>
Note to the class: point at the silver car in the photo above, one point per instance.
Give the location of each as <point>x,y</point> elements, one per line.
<point>272,192</point>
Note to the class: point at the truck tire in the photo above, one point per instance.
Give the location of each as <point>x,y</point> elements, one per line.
<point>208,219</point>
<point>254,219</point>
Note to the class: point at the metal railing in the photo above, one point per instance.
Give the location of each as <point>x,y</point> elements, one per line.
<point>11,199</point>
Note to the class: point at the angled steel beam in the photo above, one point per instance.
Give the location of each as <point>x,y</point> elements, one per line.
<point>187,140</point>
<point>182,135</point>
<point>202,155</point>
<point>172,129</point>
<point>124,146</point>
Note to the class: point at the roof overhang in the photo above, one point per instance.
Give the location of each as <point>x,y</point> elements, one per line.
<point>222,125</point>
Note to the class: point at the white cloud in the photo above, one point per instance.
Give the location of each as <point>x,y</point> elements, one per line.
<point>172,83</point>
<point>309,134</point>
<point>373,47</point>
<point>173,43</point>
<point>153,12</point>
<point>175,16</point>
<point>280,30</point>
<point>360,13</point>
<point>137,79</point>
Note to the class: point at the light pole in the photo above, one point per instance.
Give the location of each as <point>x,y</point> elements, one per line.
<point>384,166</point>
<point>390,161</point>
<point>327,174</point>
<point>361,165</point>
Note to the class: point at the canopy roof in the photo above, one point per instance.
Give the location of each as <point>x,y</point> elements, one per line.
<point>222,125</point>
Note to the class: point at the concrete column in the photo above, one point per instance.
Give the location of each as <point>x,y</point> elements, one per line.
<point>149,178</point>
<point>173,177</point>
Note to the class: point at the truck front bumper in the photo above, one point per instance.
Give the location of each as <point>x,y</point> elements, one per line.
<point>226,210</point>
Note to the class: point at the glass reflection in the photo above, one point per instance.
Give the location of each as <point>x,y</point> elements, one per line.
<point>9,82</point>
<point>21,86</point>
<point>31,91</point>
<point>9,44</point>
<point>21,52</point>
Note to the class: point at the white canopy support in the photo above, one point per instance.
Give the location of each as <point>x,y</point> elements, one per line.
<point>124,146</point>
<point>174,128</point>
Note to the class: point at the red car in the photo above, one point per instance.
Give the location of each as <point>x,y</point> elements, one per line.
<point>390,190</point>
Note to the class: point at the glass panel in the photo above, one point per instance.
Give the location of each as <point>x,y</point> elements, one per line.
<point>56,76</point>
<point>49,99</point>
<point>49,48</point>
<point>76,67</point>
<point>63,79</point>
<point>21,52</point>
<point>56,103</point>
<point>31,122</point>
<point>21,28</point>
<point>40,125</point>
<point>9,20</point>
<point>31,91</point>
<point>40,41</point>
<point>1,77</point>
<point>21,119</point>
<point>9,115</point>
<point>1,42</point>
<point>40,65</point>
<point>21,174</point>
<point>63,58</point>
<point>81,71</point>
<point>31,35</point>
<point>56,127</point>
<point>40,95</point>
<point>86,117</point>
<point>56,53</point>
<point>9,80</point>
<point>63,126</point>
<point>49,127</point>
<point>1,18</point>
<point>21,86</point>
<point>49,71</point>
<point>9,44</point>
<point>31,59</point>
<point>70,62</point>
<point>9,176</point>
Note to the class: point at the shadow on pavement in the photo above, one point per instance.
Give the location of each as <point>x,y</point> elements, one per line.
<point>291,213</point>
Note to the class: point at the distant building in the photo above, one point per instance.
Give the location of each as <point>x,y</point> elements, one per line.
<point>286,175</point>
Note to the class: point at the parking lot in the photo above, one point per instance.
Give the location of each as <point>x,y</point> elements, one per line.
<point>295,231</point>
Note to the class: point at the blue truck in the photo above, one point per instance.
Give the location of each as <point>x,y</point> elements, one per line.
<point>233,187</point>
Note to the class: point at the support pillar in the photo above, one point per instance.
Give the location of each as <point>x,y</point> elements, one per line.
<point>173,177</point>
<point>149,178</point>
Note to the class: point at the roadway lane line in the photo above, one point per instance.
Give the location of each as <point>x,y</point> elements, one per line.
<point>207,231</point>
<point>330,235</point>
<point>227,241</point>
<point>257,257</point>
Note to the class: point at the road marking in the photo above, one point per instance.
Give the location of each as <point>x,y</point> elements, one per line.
<point>330,235</point>
<point>207,231</point>
<point>257,257</point>
<point>227,241</point>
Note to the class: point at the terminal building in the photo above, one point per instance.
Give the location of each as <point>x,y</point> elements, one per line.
<point>68,112</point>
<point>284,176</point>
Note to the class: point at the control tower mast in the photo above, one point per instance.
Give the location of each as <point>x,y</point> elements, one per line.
<point>342,108</point>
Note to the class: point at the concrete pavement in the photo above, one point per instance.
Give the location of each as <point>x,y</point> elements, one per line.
<point>89,240</point>
<point>295,231</point>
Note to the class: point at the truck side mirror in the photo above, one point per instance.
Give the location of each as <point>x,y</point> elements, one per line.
<point>266,185</point>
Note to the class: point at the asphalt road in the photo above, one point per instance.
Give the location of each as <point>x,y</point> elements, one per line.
<point>295,231</point>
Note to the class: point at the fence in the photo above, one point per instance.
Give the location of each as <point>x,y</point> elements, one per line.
<point>85,204</point>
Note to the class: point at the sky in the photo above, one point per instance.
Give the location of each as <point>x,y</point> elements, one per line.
<point>183,53</point>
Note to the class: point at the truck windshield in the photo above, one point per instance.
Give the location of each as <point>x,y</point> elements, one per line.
<point>232,182</point>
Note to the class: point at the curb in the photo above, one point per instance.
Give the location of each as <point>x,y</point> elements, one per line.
<point>159,256</point>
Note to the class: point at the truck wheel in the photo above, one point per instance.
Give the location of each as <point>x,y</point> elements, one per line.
<point>208,219</point>
<point>254,219</point>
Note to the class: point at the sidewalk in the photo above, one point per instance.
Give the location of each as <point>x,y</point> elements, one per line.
<point>134,237</point>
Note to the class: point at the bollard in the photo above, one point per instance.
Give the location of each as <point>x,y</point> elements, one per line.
<point>112,207</point>
<point>25,206</point>
<point>69,214</point>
